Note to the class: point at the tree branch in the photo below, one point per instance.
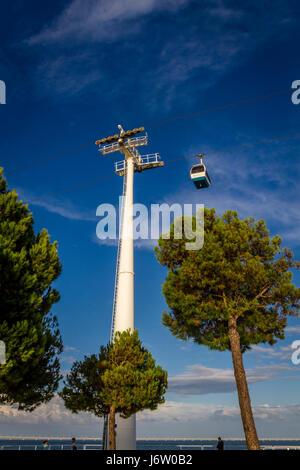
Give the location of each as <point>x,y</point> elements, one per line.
<point>261,294</point>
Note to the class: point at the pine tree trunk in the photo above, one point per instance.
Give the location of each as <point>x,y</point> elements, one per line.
<point>112,434</point>
<point>242,387</point>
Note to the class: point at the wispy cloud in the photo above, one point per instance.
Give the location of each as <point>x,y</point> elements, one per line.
<point>54,411</point>
<point>282,353</point>
<point>70,348</point>
<point>202,47</point>
<point>292,329</point>
<point>65,209</point>
<point>200,53</point>
<point>259,184</point>
<point>208,420</point>
<point>71,66</point>
<point>201,380</point>
<point>95,20</point>
<point>173,411</point>
<point>68,74</point>
<point>172,419</point>
<point>217,38</point>
<point>266,204</point>
<point>224,12</point>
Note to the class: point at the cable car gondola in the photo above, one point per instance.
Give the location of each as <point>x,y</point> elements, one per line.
<point>199,175</point>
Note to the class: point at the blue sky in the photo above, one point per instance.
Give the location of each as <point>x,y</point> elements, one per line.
<point>76,69</point>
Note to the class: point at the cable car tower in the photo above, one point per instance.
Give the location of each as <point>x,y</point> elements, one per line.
<point>123,303</point>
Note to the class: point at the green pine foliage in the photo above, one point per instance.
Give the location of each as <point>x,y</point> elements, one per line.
<point>83,383</point>
<point>29,264</point>
<point>132,381</point>
<point>123,378</point>
<point>124,374</point>
<point>240,272</point>
<point>235,292</point>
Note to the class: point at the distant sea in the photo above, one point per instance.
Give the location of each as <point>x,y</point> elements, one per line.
<point>142,444</point>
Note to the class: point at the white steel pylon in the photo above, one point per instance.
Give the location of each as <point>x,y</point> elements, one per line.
<point>123,305</point>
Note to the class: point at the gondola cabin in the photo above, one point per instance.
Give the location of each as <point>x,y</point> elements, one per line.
<point>199,176</point>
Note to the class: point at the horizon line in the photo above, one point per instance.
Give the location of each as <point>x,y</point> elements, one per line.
<point>152,438</point>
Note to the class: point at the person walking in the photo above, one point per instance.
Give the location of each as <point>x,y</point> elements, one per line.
<point>220,444</point>
<point>73,445</point>
<point>45,445</point>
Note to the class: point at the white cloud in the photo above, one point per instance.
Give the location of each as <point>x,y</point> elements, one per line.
<point>172,419</point>
<point>68,74</point>
<point>282,353</point>
<point>52,412</point>
<point>201,380</point>
<point>234,186</point>
<point>93,21</point>
<point>70,348</point>
<point>70,70</point>
<point>208,49</point>
<point>101,20</point>
<point>224,12</point>
<point>209,420</point>
<point>292,329</point>
<point>173,411</point>
<point>65,209</point>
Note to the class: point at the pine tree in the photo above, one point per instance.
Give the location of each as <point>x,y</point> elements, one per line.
<point>235,292</point>
<point>29,264</point>
<point>123,379</point>
<point>83,383</point>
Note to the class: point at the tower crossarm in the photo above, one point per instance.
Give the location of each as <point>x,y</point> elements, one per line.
<point>146,162</point>
<point>120,146</point>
